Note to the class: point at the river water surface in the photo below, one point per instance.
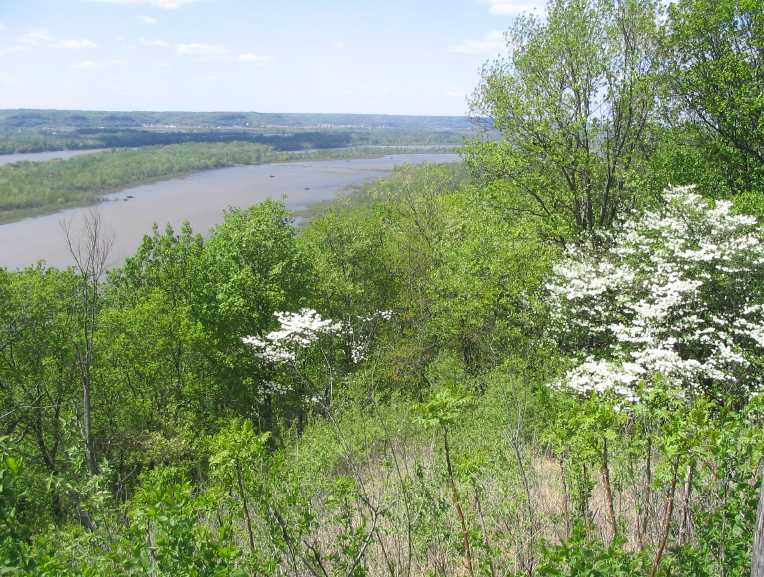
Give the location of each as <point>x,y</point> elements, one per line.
<point>199,198</point>
<point>42,156</point>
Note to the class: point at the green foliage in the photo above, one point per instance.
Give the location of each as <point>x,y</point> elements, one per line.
<point>680,158</point>
<point>254,263</point>
<point>572,100</point>
<point>237,449</point>
<point>580,556</point>
<point>714,70</point>
<point>166,515</point>
<point>11,494</point>
<point>444,408</point>
<point>425,436</point>
<point>347,250</point>
<point>486,285</point>
<point>253,267</point>
<point>724,527</point>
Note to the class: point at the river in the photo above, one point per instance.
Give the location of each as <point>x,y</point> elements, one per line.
<point>43,156</point>
<point>199,198</point>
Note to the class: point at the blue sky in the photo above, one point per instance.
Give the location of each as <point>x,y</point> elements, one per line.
<point>355,56</point>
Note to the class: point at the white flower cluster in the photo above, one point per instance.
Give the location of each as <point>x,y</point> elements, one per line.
<point>679,293</point>
<point>300,330</point>
<point>297,331</point>
<point>360,340</point>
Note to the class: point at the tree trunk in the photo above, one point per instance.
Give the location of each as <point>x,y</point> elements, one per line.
<point>686,527</point>
<point>87,426</point>
<point>90,251</point>
<point>757,561</point>
<point>245,507</point>
<point>609,493</point>
<point>458,506</point>
<point>668,512</point>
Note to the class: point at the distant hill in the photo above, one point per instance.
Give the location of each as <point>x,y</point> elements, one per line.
<point>69,119</point>
<point>25,130</point>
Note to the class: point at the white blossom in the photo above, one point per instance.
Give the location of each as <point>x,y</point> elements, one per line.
<point>678,293</point>
<point>360,338</point>
<point>296,331</point>
<point>299,331</point>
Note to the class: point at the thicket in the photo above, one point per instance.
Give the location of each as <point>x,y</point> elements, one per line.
<point>546,361</point>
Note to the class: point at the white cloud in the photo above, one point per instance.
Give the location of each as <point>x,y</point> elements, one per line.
<point>7,81</point>
<point>95,65</point>
<point>148,20</point>
<point>153,43</point>
<point>202,50</point>
<point>513,7</point>
<point>41,37</point>
<point>12,50</point>
<point>35,38</point>
<point>3,27</point>
<point>491,43</point>
<point>163,4</point>
<point>252,57</point>
<point>76,44</point>
<point>339,45</point>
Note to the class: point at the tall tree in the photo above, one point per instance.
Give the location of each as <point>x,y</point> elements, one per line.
<point>253,268</point>
<point>572,101</point>
<point>715,73</point>
<point>39,379</point>
<point>90,251</point>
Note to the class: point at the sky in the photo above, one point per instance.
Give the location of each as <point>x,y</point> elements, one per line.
<point>343,56</point>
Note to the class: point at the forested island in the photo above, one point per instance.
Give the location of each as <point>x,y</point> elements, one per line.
<point>544,361</point>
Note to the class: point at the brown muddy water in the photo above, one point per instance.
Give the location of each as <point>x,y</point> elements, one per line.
<point>199,198</point>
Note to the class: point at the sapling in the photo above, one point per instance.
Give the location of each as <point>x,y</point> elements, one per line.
<point>237,454</point>
<point>441,411</point>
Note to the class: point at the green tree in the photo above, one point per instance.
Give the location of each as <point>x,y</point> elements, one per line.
<point>444,409</point>
<point>572,102</point>
<point>253,268</point>
<point>39,378</point>
<point>715,72</point>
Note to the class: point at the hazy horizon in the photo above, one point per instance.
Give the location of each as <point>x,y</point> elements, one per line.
<point>214,111</point>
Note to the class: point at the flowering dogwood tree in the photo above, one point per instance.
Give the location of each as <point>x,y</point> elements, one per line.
<point>678,292</point>
<point>306,345</point>
<point>296,332</point>
<point>299,352</point>
<point>299,331</point>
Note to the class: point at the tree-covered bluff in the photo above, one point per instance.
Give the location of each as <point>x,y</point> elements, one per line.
<point>545,361</point>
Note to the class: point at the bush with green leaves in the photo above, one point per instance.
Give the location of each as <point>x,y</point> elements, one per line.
<point>579,556</point>
<point>11,494</point>
<point>167,536</point>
